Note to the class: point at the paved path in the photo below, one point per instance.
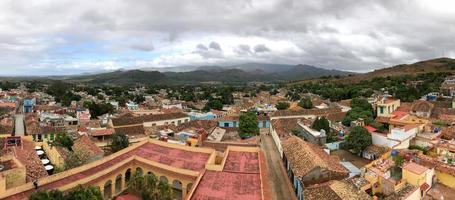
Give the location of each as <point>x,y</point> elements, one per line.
<point>279,182</point>
<point>19,125</point>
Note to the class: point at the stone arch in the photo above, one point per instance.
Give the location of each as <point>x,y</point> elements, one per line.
<point>188,187</point>
<point>108,189</point>
<point>139,171</point>
<point>118,184</point>
<point>164,179</point>
<point>127,175</point>
<point>176,184</point>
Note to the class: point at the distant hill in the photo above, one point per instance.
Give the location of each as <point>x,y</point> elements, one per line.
<point>427,66</point>
<point>223,74</point>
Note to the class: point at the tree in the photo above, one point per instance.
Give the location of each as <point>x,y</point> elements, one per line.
<point>248,125</point>
<point>358,139</point>
<point>321,123</point>
<point>63,140</point>
<point>213,104</point>
<point>148,187</point>
<point>82,193</point>
<point>282,105</point>
<point>306,103</point>
<point>119,142</point>
<point>360,108</point>
<point>47,195</point>
<point>79,193</point>
<point>98,109</point>
<point>398,160</point>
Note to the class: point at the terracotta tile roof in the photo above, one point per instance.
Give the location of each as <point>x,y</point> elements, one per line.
<point>382,119</point>
<point>207,125</point>
<point>46,108</point>
<point>284,126</point>
<point>102,132</point>
<point>336,116</point>
<point>422,106</point>
<point>304,157</point>
<point>229,118</point>
<point>314,111</point>
<point>87,147</point>
<point>334,190</point>
<point>8,104</point>
<point>131,130</point>
<point>131,120</point>
<point>6,126</point>
<point>397,114</point>
<point>26,154</point>
<point>370,128</point>
<point>377,150</point>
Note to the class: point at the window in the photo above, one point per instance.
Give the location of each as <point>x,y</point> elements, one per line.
<point>381,110</point>
<point>179,122</point>
<point>226,124</point>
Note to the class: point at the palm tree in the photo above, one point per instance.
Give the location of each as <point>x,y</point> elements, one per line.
<point>148,187</point>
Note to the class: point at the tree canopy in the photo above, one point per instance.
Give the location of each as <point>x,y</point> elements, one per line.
<point>148,187</point>
<point>79,193</point>
<point>282,105</point>
<point>98,109</point>
<point>321,123</point>
<point>213,104</point>
<point>248,125</point>
<point>306,103</point>
<point>358,139</point>
<point>63,140</point>
<point>119,142</point>
<point>360,108</point>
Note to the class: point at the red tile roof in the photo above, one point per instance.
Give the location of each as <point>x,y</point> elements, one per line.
<point>102,132</point>
<point>130,120</point>
<point>87,147</point>
<point>304,157</point>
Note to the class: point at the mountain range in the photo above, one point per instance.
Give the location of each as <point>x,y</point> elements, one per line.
<point>202,74</point>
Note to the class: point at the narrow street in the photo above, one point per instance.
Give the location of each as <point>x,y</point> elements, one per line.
<point>19,125</point>
<point>279,183</point>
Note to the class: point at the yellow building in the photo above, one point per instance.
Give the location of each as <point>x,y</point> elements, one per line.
<point>417,175</point>
<point>190,171</point>
<point>386,106</point>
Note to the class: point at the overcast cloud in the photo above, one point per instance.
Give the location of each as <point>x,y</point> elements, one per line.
<point>68,37</point>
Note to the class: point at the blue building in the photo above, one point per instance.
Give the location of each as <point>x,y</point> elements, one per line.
<point>201,116</point>
<point>29,103</point>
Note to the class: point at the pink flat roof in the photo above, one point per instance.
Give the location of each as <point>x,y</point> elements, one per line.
<point>240,179</point>
<point>242,162</point>
<point>228,186</point>
<point>169,156</point>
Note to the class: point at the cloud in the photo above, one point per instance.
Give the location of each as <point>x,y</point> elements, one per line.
<point>261,48</point>
<point>214,45</point>
<point>341,34</point>
<point>202,47</point>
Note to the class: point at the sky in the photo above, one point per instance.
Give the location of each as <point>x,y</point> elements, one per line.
<point>56,37</point>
